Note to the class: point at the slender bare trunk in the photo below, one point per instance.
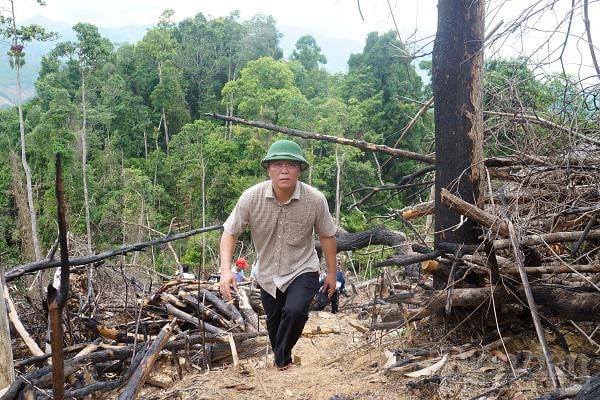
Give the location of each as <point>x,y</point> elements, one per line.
<point>164,114</point>
<point>145,145</point>
<point>203,209</point>
<point>32,214</point>
<point>338,192</point>
<point>86,200</point>
<point>140,231</point>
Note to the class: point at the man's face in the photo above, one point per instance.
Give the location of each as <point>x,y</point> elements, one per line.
<point>284,174</point>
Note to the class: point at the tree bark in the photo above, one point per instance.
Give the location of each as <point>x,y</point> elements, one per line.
<point>457,88</point>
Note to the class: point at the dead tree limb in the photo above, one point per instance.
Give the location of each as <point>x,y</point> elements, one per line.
<point>541,121</point>
<point>588,31</point>
<point>555,237</point>
<point>249,314</point>
<point>374,236</point>
<point>496,224</point>
<point>580,306</point>
<point>18,325</point>
<point>209,313</point>
<point>509,267</point>
<point>58,299</point>
<point>226,309</point>
<point>519,258</point>
<point>45,264</point>
<point>182,315</point>
<point>586,230</point>
<point>417,210</point>
<point>360,144</point>
<point>141,373</point>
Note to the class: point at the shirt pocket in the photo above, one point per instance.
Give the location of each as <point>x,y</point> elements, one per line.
<point>297,233</point>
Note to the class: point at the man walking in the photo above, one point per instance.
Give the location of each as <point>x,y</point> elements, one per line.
<point>283,215</point>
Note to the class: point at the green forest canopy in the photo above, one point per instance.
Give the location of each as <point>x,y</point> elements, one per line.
<point>140,178</point>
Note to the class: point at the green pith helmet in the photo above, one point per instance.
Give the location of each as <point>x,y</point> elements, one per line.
<point>285,150</point>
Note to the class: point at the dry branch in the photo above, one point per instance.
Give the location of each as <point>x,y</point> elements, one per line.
<point>45,264</point>
<point>141,373</point>
<point>474,213</point>
<point>580,306</point>
<point>361,144</point>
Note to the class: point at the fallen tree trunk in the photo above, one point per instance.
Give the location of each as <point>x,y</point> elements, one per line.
<point>45,264</point>
<point>555,237</point>
<point>496,224</point>
<point>182,315</point>
<point>578,306</point>
<point>141,373</point>
<point>361,144</point>
<point>250,316</point>
<point>377,235</point>
<point>509,267</point>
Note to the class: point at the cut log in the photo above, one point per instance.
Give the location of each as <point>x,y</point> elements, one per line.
<point>206,312</point>
<point>417,210</point>
<point>228,310</point>
<point>249,314</point>
<point>580,306</point>
<point>495,224</point>
<point>182,315</point>
<point>139,376</point>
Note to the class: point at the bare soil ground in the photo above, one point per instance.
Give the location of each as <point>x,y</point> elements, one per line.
<point>348,365</point>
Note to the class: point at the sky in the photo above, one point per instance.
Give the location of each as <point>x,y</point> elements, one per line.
<point>415,19</point>
<point>333,18</point>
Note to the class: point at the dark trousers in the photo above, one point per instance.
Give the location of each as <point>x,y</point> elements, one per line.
<point>287,314</point>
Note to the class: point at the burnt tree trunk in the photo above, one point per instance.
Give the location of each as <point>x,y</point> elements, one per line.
<point>457,90</point>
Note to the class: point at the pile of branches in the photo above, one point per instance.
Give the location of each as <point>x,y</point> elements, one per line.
<point>185,318</point>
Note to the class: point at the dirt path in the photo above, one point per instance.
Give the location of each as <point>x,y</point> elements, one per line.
<point>346,366</point>
<point>332,364</point>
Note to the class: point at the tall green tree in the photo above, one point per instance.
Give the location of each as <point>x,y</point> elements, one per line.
<point>263,90</point>
<point>158,50</point>
<point>308,53</point>
<point>89,52</point>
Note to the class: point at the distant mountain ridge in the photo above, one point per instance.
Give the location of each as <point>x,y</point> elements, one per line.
<point>336,50</point>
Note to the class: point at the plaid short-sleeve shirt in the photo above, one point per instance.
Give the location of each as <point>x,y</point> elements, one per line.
<point>283,234</point>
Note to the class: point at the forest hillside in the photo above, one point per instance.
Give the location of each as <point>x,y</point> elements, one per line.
<point>467,205</point>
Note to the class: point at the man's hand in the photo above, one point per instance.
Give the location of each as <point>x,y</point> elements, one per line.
<point>226,283</point>
<point>329,287</point>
